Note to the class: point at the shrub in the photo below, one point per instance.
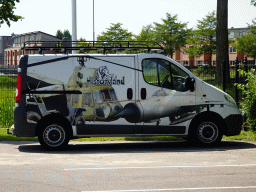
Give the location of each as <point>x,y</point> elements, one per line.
<point>248,102</point>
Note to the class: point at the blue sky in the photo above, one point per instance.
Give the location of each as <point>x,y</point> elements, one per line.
<point>50,15</point>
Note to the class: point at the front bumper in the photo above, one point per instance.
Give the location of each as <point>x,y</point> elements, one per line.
<point>234,124</point>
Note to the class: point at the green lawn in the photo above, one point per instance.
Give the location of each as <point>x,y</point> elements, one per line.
<point>5,137</point>
<point>247,136</point>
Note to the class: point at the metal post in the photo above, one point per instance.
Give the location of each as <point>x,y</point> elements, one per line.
<point>245,64</point>
<point>237,79</point>
<point>93,25</point>
<point>245,68</point>
<point>74,26</point>
<point>224,75</point>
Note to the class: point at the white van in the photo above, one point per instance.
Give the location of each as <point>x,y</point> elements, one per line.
<point>64,96</point>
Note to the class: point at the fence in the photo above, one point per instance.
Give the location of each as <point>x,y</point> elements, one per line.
<point>8,78</point>
<point>206,73</point>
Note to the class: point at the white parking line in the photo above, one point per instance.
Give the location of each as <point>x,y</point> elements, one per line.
<point>180,189</point>
<point>160,167</point>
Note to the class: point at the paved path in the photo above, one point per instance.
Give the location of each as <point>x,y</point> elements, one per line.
<point>128,167</point>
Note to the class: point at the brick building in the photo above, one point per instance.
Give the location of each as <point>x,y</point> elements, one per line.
<point>185,60</point>
<point>5,42</point>
<point>12,54</point>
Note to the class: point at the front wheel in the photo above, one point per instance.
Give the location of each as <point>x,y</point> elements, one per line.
<point>206,133</point>
<point>53,136</point>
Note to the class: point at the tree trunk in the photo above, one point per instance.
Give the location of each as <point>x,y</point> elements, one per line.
<point>222,42</point>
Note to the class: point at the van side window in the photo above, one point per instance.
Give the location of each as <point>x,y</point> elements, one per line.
<point>162,73</point>
<point>87,99</point>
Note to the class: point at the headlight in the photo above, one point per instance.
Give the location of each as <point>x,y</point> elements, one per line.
<point>229,99</point>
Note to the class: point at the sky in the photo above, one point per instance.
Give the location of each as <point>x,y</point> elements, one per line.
<point>51,15</point>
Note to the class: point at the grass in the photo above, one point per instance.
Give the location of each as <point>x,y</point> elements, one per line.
<point>247,136</point>
<point>5,137</point>
<point>7,100</point>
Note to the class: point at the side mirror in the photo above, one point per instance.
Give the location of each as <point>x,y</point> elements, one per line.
<point>190,84</point>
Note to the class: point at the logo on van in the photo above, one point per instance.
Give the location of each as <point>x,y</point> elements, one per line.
<point>105,78</point>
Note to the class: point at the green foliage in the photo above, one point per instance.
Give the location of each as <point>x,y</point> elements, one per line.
<point>171,34</point>
<point>65,35</point>
<point>203,38</point>
<point>7,112</point>
<point>115,33</point>
<point>146,34</point>
<point>7,12</point>
<point>243,136</point>
<point>204,71</point>
<point>7,100</point>
<point>253,2</point>
<point>248,103</point>
<point>247,43</point>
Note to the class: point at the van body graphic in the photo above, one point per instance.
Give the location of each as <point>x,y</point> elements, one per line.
<point>148,94</point>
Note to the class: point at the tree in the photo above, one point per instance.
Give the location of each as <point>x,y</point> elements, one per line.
<point>253,2</point>
<point>65,35</point>
<point>7,12</point>
<point>59,34</point>
<point>247,43</point>
<point>203,38</point>
<point>222,43</point>
<point>115,33</point>
<point>171,33</point>
<point>146,34</point>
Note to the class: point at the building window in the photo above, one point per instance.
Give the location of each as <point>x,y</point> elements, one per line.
<point>232,63</point>
<point>231,35</point>
<point>232,50</point>
<point>185,63</point>
<point>200,63</point>
<point>251,62</point>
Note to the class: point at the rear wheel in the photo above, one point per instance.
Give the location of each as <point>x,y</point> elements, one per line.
<point>206,133</point>
<point>53,136</point>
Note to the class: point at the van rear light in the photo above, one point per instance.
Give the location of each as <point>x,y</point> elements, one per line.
<point>18,88</point>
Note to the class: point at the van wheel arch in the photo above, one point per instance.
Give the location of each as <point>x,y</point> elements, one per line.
<point>211,120</point>
<point>54,118</point>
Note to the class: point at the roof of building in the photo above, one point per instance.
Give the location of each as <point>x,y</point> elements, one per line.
<point>35,32</point>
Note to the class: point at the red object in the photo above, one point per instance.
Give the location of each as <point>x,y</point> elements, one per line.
<point>18,88</point>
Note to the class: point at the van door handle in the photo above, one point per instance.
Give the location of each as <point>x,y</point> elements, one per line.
<point>143,93</point>
<point>129,94</point>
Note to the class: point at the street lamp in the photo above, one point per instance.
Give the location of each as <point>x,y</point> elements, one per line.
<point>74,26</point>
<point>93,25</point>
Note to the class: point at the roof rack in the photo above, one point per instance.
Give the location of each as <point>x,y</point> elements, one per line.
<point>99,46</point>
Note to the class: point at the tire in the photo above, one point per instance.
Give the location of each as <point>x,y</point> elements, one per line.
<point>205,133</point>
<point>53,136</point>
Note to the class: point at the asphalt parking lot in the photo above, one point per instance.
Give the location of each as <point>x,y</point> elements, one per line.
<point>128,166</point>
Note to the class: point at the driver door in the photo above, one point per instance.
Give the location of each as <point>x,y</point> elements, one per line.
<point>168,105</point>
